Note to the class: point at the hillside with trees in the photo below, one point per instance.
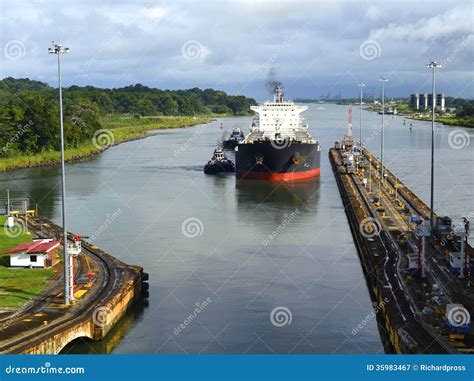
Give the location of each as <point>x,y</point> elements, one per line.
<point>29,111</point>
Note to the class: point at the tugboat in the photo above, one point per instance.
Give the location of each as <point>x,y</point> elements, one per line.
<point>219,163</point>
<point>279,146</point>
<point>235,138</point>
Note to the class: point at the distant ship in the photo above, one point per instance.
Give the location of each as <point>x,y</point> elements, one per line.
<point>279,146</point>
<point>390,111</point>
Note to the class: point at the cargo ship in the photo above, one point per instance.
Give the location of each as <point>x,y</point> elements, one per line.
<point>279,146</point>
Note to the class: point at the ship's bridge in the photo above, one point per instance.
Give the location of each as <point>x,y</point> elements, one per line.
<point>279,121</point>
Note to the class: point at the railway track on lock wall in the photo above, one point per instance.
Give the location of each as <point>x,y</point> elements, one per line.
<point>445,279</point>
<point>80,312</point>
<point>387,245</point>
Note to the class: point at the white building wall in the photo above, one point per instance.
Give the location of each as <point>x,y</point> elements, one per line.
<point>442,107</point>
<point>23,260</point>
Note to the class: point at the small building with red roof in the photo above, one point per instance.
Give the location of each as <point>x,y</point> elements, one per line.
<point>41,253</point>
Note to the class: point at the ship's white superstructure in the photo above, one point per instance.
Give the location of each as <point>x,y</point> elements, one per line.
<point>279,120</point>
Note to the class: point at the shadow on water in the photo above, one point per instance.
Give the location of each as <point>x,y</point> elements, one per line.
<point>84,345</point>
<point>303,195</point>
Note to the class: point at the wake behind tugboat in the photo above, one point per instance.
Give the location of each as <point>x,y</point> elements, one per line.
<point>279,146</point>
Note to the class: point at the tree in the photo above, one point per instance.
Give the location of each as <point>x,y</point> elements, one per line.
<point>167,105</point>
<point>81,121</point>
<point>37,124</point>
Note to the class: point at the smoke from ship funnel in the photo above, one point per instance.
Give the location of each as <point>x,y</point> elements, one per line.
<point>272,82</point>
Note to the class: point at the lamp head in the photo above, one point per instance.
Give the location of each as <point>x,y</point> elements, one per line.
<point>433,64</point>
<point>57,49</point>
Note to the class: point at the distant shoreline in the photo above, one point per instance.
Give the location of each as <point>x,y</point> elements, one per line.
<point>443,119</point>
<point>446,120</point>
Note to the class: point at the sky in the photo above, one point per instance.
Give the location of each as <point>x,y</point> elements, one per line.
<point>314,47</point>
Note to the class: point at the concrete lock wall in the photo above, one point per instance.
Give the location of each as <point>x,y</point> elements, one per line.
<point>56,343</point>
<point>91,328</point>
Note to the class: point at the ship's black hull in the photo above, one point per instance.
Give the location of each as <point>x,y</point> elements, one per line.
<point>272,160</point>
<point>229,144</point>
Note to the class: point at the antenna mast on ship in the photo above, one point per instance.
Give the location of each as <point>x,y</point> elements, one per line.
<point>278,94</point>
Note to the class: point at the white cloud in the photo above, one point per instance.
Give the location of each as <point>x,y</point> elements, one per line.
<point>313,45</point>
<point>374,13</point>
<point>455,21</point>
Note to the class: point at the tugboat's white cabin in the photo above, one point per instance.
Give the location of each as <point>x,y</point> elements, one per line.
<point>218,154</point>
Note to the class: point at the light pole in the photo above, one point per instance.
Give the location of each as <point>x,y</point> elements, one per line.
<point>68,293</point>
<point>361,85</point>
<point>432,65</point>
<point>370,173</point>
<point>383,80</point>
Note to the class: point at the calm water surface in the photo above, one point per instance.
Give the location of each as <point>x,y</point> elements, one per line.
<point>134,199</point>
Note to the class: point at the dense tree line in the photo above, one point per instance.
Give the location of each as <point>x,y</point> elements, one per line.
<point>139,99</point>
<point>29,110</point>
<point>466,110</point>
<point>29,123</point>
<point>464,107</point>
<point>142,100</point>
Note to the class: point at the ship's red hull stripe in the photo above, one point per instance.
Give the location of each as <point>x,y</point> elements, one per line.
<point>287,176</point>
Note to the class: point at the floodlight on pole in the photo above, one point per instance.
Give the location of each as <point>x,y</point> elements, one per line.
<point>383,80</point>
<point>361,85</point>
<point>432,65</point>
<point>58,49</point>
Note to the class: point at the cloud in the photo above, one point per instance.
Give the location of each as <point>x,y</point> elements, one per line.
<point>374,12</point>
<point>452,23</point>
<point>315,46</point>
